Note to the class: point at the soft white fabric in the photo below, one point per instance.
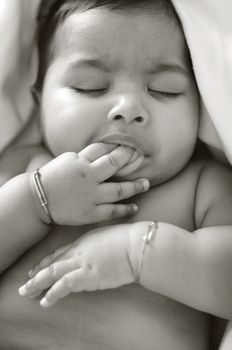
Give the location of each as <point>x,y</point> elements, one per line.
<point>208,28</point>
<point>17,30</point>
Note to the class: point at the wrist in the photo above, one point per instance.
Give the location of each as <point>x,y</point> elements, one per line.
<point>39,198</point>
<point>138,238</point>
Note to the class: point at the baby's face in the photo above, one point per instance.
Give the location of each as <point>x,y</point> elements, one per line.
<point>122,78</point>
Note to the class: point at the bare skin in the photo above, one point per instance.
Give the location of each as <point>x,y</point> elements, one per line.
<point>107,319</point>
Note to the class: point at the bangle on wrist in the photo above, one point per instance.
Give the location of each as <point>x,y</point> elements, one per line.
<point>146,240</point>
<point>41,195</point>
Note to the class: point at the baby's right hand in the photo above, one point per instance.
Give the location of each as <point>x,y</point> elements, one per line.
<point>76,190</point>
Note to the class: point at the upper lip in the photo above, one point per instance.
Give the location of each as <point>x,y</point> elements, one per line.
<point>125,140</point>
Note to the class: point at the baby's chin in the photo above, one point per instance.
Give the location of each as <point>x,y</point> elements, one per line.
<point>138,168</point>
<point>146,171</point>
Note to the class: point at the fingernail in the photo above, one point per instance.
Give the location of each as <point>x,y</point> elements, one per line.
<point>44,302</point>
<point>134,155</point>
<point>134,207</point>
<point>30,273</point>
<point>146,184</point>
<point>22,291</point>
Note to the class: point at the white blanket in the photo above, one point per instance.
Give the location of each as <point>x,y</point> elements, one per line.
<point>18,69</point>
<point>208,29</point>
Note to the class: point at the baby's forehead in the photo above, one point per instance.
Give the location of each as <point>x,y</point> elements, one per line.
<point>78,18</point>
<point>103,29</point>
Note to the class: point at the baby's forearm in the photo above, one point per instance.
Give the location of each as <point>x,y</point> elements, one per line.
<point>192,268</point>
<point>20,223</point>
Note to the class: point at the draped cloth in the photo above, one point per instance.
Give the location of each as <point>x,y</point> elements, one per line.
<point>207,27</point>
<point>18,68</point>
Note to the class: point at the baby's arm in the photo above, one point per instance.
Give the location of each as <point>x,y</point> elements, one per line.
<point>20,224</point>
<point>22,219</point>
<point>18,214</point>
<point>192,268</point>
<point>195,268</point>
<point>176,263</point>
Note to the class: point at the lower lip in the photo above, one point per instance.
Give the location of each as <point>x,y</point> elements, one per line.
<point>132,166</point>
<point>124,145</point>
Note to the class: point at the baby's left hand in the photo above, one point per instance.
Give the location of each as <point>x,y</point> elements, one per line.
<point>97,260</point>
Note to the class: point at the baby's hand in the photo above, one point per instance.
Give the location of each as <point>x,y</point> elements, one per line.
<point>97,260</point>
<point>76,190</point>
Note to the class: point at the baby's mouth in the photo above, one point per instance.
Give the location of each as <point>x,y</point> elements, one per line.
<point>123,140</point>
<point>137,158</point>
<point>134,163</point>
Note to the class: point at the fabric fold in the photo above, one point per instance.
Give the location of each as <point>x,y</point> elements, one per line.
<point>208,29</point>
<point>18,67</point>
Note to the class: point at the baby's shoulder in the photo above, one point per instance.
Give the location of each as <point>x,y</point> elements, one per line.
<point>20,159</point>
<point>207,174</point>
<point>215,179</point>
<point>213,204</point>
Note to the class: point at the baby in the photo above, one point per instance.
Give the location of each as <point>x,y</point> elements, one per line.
<point>118,103</point>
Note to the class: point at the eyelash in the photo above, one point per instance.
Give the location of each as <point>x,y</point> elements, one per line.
<point>163,94</point>
<point>154,93</point>
<point>90,91</point>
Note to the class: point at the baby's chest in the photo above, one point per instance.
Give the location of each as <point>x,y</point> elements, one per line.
<point>172,203</point>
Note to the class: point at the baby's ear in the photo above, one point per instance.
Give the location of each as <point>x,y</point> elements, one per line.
<point>35,94</point>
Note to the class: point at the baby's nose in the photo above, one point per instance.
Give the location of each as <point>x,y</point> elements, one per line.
<point>128,109</point>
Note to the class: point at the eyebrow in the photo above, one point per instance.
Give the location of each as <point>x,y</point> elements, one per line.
<point>99,64</point>
<point>90,62</point>
<point>162,68</point>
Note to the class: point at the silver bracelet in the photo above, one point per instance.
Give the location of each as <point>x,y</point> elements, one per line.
<point>41,195</point>
<point>147,238</point>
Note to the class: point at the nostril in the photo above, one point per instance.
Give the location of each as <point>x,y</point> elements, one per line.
<point>129,119</point>
<point>118,117</point>
<point>139,119</point>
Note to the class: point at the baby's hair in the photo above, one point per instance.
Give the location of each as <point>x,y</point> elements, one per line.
<point>60,10</point>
